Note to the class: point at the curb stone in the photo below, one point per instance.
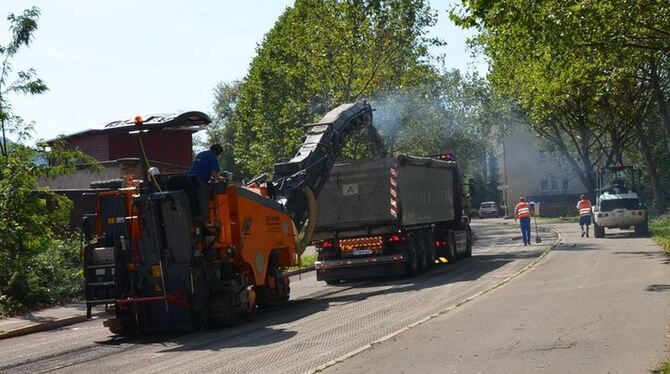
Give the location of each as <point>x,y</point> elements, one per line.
<point>300,271</point>
<point>46,326</point>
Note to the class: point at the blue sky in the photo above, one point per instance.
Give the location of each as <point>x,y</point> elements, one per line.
<point>108,60</point>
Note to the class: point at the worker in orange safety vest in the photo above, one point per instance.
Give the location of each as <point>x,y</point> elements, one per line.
<point>522,213</point>
<point>584,207</point>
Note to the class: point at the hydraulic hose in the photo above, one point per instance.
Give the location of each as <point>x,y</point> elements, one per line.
<point>146,160</point>
<point>304,236</point>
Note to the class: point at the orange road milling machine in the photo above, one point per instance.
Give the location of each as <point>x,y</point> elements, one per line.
<point>174,254</point>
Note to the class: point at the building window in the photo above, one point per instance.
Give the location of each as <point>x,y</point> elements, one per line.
<point>554,185</point>
<point>544,185</point>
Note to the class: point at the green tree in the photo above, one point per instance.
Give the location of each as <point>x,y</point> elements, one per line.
<point>22,27</point>
<point>320,54</point>
<point>37,265</point>
<point>569,65</point>
<point>222,131</point>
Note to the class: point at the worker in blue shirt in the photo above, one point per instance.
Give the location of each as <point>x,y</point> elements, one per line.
<point>206,164</point>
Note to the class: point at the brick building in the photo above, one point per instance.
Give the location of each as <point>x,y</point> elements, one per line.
<point>167,139</point>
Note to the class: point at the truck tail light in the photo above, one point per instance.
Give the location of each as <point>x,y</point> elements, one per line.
<point>326,244</point>
<point>395,238</point>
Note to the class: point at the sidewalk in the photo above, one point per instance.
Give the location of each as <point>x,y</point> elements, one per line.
<point>46,319</point>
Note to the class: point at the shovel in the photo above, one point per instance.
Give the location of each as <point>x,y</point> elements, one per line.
<point>537,232</point>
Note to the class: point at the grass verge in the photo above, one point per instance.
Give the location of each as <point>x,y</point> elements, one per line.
<point>564,219</point>
<point>664,368</point>
<point>307,260</point>
<point>660,230</point>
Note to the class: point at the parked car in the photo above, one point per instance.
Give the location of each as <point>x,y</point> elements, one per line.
<point>488,209</point>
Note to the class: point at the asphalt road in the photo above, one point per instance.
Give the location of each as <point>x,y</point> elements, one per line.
<point>321,324</point>
<point>591,306</point>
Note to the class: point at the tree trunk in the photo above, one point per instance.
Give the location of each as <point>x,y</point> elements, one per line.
<point>661,101</point>
<point>585,176</point>
<point>659,193</point>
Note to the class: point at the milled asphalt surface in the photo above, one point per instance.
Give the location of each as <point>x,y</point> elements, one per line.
<point>591,306</point>
<point>321,324</point>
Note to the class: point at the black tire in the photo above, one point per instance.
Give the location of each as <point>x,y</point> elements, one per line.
<point>598,231</point>
<point>429,247</point>
<point>420,246</point>
<point>452,255</point>
<point>411,263</point>
<point>642,229</point>
<point>468,247</point>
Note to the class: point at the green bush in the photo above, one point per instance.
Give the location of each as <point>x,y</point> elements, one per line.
<point>38,263</point>
<point>53,275</point>
<point>660,228</point>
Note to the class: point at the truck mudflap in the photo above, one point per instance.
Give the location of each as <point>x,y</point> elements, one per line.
<point>358,268</point>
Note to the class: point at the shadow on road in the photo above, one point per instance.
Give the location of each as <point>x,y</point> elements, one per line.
<point>269,326</point>
<point>578,247</point>
<point>651,254</point>
<point>658,287</point>
<point>264,328</point>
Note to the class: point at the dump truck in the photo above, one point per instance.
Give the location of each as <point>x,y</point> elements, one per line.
<point>170,253</point>
<point>391,216</point>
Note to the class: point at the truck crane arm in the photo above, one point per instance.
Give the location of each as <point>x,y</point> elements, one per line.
<point>307,172</point>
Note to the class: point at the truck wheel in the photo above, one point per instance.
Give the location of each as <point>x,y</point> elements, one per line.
<point>468,245</point>
<point>452,256</point>
<point>420,251</point>
<point>411,264</point>
<point>642,229</point>
<point>429,246</point>
<point>598,231</point>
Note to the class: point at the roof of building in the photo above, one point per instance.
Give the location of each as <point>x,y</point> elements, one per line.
<point>191,121</point>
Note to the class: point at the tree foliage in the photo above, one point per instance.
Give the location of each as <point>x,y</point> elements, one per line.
<point>22,28</point>
<point>587,75</point>
<point>37,264</point>
<point>223,130</point>
<point>318,55</point>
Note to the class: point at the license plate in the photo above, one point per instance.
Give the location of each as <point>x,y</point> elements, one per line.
<point>99,271</point>
<point>361,252</point>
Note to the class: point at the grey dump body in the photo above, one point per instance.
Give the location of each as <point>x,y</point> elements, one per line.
<point>358,197</point>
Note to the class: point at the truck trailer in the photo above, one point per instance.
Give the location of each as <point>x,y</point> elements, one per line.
<point>390,216</point>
